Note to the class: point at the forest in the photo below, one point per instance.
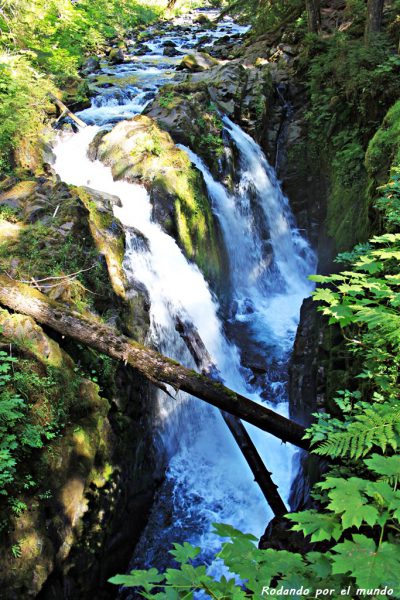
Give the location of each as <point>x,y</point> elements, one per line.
<point>199,299</point>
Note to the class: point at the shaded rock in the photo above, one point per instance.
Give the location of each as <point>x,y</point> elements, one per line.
<point>242,93</point>
<point>18,194</point>
<point>279,537</point>
<point>142,50</point>
<point>91,65</point>
<point>116,56</point>
<point>171,51</point>
<point>108,234</point>
<point>169,43</point>
<point>75,93</point>
<point>96,479</point>
<point>203,20</point>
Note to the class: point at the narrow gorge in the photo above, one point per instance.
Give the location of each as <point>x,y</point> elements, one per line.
<point>182,203</point>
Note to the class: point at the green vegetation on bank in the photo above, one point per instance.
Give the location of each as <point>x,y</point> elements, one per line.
<point>351,86</point>
<point>349,540</point>
<point>43,44</point>
<point>352,536</point>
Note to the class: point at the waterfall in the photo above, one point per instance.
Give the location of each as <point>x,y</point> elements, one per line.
<point>207,479</point>
<point>269,259</point>
<point>211,481</point>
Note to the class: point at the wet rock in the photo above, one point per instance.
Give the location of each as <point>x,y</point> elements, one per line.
<point>169,43</point>
<point>142,50</point>
<point>116,56</point>
<point>91,65</point>
<point>205,39</point>
<point>171,51</point>
<point>139,151</point>
<point>197,62</point>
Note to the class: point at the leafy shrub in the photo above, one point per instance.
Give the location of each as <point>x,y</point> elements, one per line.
<point>43,43</point>
<point>356,527</point>
<point>23,103</point>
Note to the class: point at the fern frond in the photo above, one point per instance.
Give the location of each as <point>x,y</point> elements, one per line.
<point>377,426</point>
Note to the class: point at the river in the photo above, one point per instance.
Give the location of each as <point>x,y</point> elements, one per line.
<point>207,479</point>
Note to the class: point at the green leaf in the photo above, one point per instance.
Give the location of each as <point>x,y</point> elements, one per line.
<point>385,466</point>
<point>183,554</point>
<point>347,500</point>
<point>227,531</point>
<point>325,295</point>
<point>188,577</point>
<point>371,567</point>
<point>320,564</point>
<point>146,579</point>
<point>321,526</point>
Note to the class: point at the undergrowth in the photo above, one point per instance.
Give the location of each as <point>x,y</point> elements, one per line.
<point>352,537</point>
<point>43,44</point>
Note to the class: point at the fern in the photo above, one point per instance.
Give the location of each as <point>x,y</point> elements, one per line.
<point>378,425</point>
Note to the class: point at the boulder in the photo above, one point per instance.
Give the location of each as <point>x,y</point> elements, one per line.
<point>171,51</point>
<point>18,194</point>
<point>203,20</point>
<point>142,50</point>
<point>139,151</point>
<point>116,56</point>
<point>91,65</point>
<point>197,62</point>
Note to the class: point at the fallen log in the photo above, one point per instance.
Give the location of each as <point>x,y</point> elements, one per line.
<point>65,111</point>
<point>155,367</point>
<point>262,476</point>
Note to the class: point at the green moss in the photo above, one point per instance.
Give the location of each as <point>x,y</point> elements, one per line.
<point>384,148</point>
<point>347,214</point>
<point>109,238</point>
<point>141,150</point>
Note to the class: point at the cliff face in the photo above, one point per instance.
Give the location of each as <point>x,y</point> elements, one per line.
<point>80,497</point>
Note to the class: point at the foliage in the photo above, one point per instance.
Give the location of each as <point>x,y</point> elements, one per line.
<point>23,102</point>
<point>355,526</point>
<point>27,420</point>
<point>43,44</point>
<point>268,15</point>
<point>350,89</point>
<point>384,148</point>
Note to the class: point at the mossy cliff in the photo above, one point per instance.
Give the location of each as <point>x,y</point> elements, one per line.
<point>85,468</point>
<point>139,151</point>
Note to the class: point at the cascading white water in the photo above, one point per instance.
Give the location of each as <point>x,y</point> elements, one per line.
<point>269,259</point>
<point>207,479</point>
<point>204,461</point>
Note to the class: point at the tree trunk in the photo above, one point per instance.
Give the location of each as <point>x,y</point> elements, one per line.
<point>262,476</point>
<point>65,112</point>
<point>373,22</point>
<point>155,367</point>
<point>313,16</point>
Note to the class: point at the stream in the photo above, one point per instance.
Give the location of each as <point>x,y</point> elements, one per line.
<point>207,479</point>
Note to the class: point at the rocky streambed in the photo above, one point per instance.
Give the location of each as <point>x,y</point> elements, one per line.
<point>173,230</point>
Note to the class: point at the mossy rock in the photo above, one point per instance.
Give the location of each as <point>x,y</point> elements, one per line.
<point>79,503</point>
<point>189,110</point>
<point>197,62</point>
<point>108,235</point>
<point>139,151</point>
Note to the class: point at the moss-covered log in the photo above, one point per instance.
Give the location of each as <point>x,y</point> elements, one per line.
<point>159,369</point>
